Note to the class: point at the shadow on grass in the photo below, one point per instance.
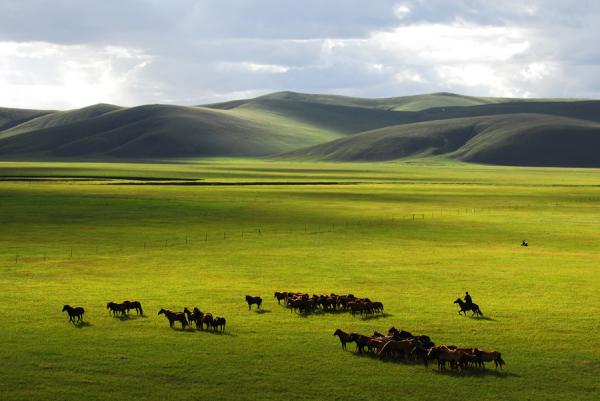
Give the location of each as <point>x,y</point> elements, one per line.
<point>476,372</point>
<point>128,317</point>
<point>376,316</point>
<point>193,330</point>
<point>485,318</point>
<point>81,324</point>
<point>261,311</point>
<point>470,372</point>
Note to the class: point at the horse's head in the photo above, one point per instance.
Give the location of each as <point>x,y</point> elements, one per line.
<point>186,310</point>
<point>66,307</point>
<point>337,332</point>
<point>162,312</point>
<point>458,301</point>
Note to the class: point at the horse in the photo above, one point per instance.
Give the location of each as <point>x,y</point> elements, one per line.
<point>134,305</point>
<point>190,316</point>
<point>524,243</point>
<point>443,355</point>
<point>74,312</point>
<point>378,307</point>
<point>116,308</point>
<point>492,356</point>
<point>402,347</point>
<point>361,341</point>
<point>344,338</point>
<point>280,296</point>
<point>466,307</point>
<point>207,319</point>
<point>218,324</point>
<point>174,317</point>
<point>253,300</point>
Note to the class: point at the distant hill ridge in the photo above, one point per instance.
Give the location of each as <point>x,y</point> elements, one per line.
<point>544,132</point>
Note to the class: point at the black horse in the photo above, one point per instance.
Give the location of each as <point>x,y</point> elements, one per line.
<point>76,312</point>
<point>253,300</point>
<point>464,307</point>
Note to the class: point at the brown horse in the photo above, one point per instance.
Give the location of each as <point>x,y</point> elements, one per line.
<point>344,337</point>
<point>134,305</point>
<point>361,341</point>
<point>280,296</point>
<point>464,307</point>
<point>443,355</point>
<point>253,301</point>
<point>74,312</point>
<point>401,348</point>
<point>207,320</point>
<point>492,356</point>
<point>218,324</point>
<point>116,308</point>
<point>174,317</point>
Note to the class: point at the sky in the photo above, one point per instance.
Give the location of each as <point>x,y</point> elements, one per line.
<point>60,54</point>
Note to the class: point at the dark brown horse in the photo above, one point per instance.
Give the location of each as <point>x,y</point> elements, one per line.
<point>134,305</point>
<point>253,301</point>
<point>280,296</point>
<point>218,324</point>
<point>401,348</point>
<point>74,312</point>
<point>464,307</point>
<point>116,308</point>
<point>344,337</point>
<point>207,319</point>
<point>174,317</point>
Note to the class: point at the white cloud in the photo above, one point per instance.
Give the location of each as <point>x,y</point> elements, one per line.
<point>402,10</point>
<point>39,74</point>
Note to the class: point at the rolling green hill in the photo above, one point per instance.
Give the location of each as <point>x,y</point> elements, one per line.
<point>316,126</point>
<point>11,117</point>
<point>517,139</point>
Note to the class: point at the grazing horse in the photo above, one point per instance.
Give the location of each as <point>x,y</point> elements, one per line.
<point>218,324</point>
<point>116,308</point>
<point>134,305</point>
<point>74,312</point>
<point>464,307</point>
<point>174,317</point>
<point>253,300</point>
<point>493,356</point>
<point>344,337</point>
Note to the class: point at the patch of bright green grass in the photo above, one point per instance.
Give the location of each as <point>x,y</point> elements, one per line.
<point>176,246</point>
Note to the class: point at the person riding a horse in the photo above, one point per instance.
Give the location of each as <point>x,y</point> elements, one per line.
<point>468,299</point>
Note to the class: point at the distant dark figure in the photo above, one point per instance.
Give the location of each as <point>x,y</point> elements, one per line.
<point>468,299</point>
<point>464,308</point>
<point>524,243</point>
<point>74,312</point>
<point>253,300</point>
<point>174,317</point>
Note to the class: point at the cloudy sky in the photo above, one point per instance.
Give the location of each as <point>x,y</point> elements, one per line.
<point>71,53</point>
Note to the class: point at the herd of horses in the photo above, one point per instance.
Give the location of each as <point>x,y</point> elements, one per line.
<point>215,324</point>
<point>122,309</point>
<point>397,344</point>
<point>402,345</point>
<point>303,303</point>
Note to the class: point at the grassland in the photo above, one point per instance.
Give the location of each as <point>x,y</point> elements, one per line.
<point>413,235</point>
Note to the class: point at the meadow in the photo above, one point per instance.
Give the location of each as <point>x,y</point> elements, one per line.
<point>414,235</point>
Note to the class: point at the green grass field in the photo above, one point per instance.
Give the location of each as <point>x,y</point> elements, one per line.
<point>414,235</point>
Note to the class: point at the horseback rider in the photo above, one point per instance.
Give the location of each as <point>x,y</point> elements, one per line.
<point>468,299</point>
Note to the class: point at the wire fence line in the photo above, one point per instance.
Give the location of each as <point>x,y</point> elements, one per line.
<point>44,252</point>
